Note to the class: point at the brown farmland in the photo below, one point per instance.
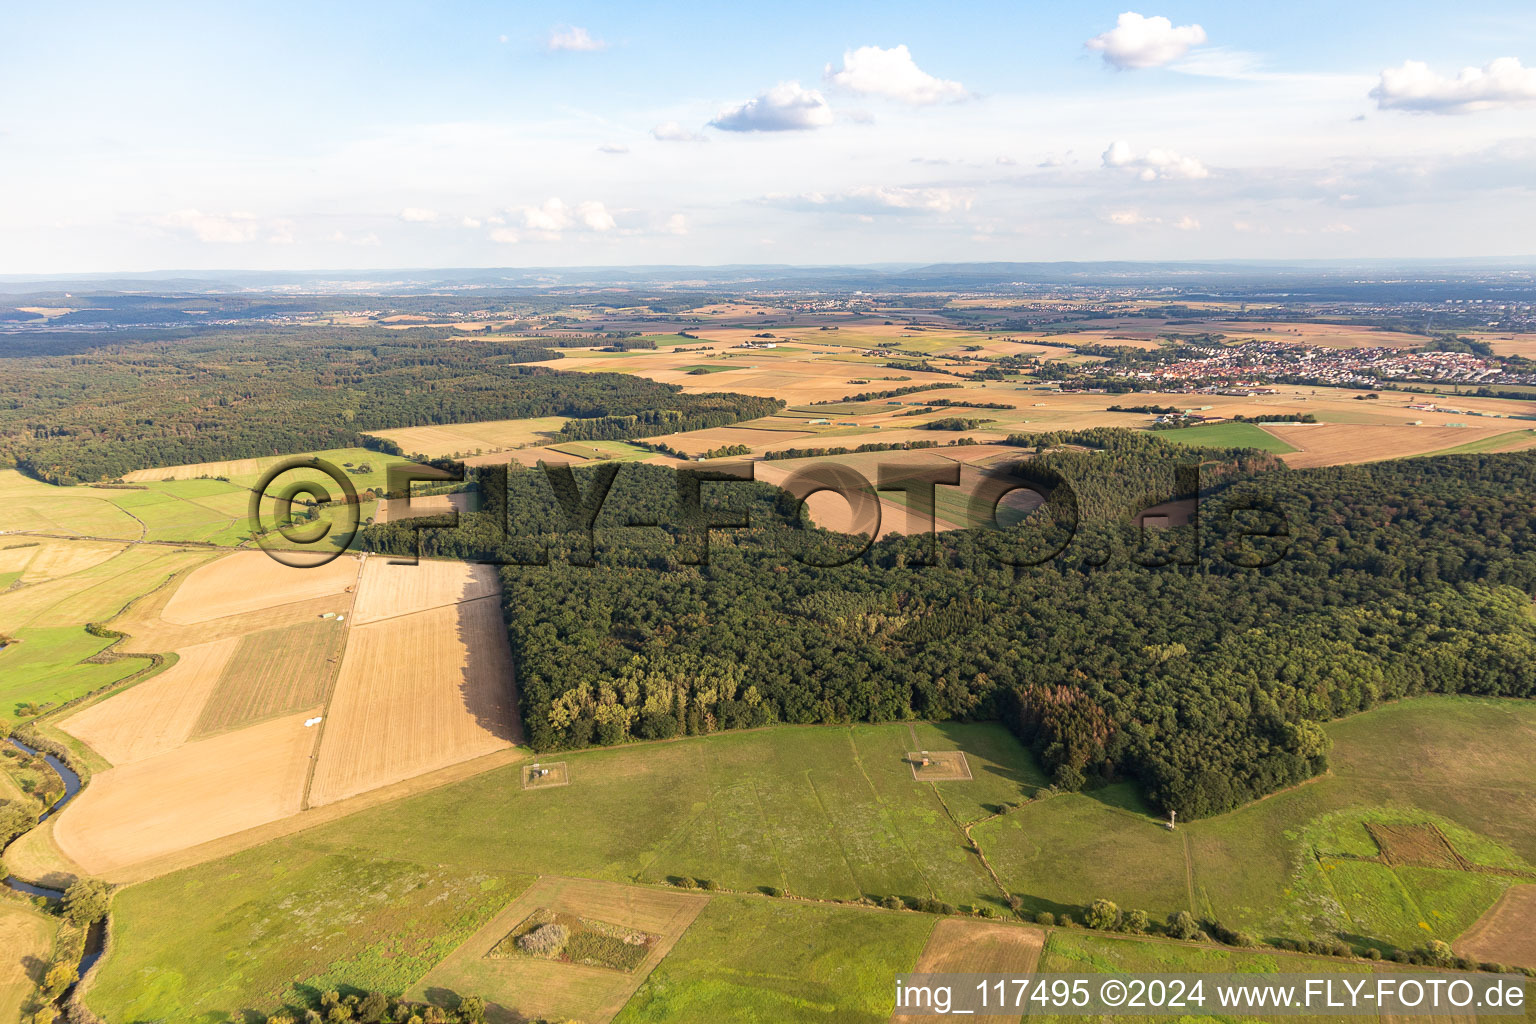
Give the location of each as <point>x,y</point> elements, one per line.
<point>155,716</point>
<point>250,581</point>
<point>190,795</point>
<point>416,693</point>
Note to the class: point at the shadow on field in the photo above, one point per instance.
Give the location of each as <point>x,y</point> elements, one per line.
<point>495,709</point>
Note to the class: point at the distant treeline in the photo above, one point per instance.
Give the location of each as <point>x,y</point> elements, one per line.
<point>869,396</point>
<point>1200,666</point>
<point>97,414</point>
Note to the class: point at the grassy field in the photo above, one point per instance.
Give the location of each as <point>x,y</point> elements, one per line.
<point>273,673</point>
<point>1070,952</point>
<point>1227,435</point>
<point>603,450</point>
<point>325,920</point>
<point>833,812</point>
<point>1497,443</point>
<point>50,663</point>
<point>45,667</point>
<point>758,960</point>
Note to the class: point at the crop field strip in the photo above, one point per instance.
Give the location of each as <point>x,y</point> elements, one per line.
<point>274,672</point>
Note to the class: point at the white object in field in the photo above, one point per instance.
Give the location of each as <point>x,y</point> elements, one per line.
<point>327,615</point>
<point>312,722</point>
<point>341,618</point>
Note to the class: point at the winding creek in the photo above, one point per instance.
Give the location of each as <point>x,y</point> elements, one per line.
<point>95,937</point>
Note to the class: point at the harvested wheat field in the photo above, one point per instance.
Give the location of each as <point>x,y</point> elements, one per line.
<point>249,581</point>
<point>228,469</point>
<point>55,558</point>
<point>394,509</point>
<point>524,987</point>
<point>155,716</point>
<point>417,693</point>
<point>973,947</point>
<point>178,799</point>
<point>1333,444</point>
<point>456,438</point>
<point>274,672</point>
<point>388,590</point>
<point>1505,934</point>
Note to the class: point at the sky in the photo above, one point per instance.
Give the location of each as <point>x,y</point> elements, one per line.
<point>338,135</point>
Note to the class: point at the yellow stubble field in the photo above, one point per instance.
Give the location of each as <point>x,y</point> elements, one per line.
<point>417,692</point>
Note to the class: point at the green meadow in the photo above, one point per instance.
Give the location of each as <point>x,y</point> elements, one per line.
<point>831,813</point>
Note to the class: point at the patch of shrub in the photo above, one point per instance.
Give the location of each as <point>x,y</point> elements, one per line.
<point>545,940</point>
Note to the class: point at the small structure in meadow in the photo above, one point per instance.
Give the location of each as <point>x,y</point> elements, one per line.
<point>939,766</point>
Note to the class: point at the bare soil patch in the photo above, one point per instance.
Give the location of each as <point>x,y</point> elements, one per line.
<point>939,766</point>
<point>250,581</point>
<point>1504,934</point>
<point>543,775</point>
<point>1423,846</point>
<point>158,715</point>
<point>187,796</point>
<point>975,947</point>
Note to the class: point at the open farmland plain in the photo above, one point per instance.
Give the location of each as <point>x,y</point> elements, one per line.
<point>307,779</point>
<point>231,727</point>
<point>829,813</point>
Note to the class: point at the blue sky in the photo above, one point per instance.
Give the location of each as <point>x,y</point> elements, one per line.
<point>403,134</point>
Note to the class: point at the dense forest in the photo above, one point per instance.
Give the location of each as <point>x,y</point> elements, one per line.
<point>99,413</point>
<point>1196,660</point>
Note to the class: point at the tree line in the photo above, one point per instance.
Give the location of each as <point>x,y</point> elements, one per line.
<point>1198,661</point>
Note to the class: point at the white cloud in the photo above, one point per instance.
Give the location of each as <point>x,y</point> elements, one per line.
<point>785,107</point>
<point>370,239</point>
<point>470,222</point>
<point>613,148</point>
<point>417,215</point>
<point>1138,42</point>
<point>595,216</point>
<point>1130,218</point>
<point>553,216</point>
<point>677,224</point>
<point>671,131</point>
<point>504,236</point>
<point>224,229</point>
<point>573,39</point>
<point>875,199</point>
<point>1187,223</point>
<point>871,71</point>
<point>1154,164</point>
<point>1415,87</point>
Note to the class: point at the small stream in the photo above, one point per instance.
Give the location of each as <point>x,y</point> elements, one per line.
<point>64,771</point>
<point>71,787</point>
<point>95,936</point>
